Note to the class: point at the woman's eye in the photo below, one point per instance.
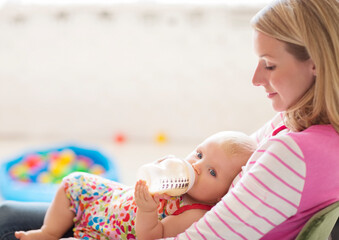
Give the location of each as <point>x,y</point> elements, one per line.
<point>270,68</point>
<point>199,155</point>
<point>213,173</point>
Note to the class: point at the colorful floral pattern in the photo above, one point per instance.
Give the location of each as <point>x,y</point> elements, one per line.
<point>105,209</point>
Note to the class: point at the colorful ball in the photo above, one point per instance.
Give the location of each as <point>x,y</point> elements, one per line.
<point>19,171</point>
<point>66,156</point>
<point>52,167</point>
<point>97,169</point>
<point>45,177</point>
<point>33,161</point>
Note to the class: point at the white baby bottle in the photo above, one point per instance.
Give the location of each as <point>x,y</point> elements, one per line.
<point>172,176</point>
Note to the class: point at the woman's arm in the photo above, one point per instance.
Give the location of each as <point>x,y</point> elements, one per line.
<point>268,193</point>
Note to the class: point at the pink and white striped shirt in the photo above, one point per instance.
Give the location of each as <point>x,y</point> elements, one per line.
<point>291,176</point>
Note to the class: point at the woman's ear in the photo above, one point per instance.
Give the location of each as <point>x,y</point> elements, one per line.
<point>314,70</point>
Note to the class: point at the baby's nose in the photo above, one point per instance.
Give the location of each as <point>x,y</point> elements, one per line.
<point>196,168</point>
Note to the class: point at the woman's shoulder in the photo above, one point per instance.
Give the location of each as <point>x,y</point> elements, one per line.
<point>280,145</point>
<point>325,129</point>
<point>316,134</point>
<point>319,134</point>
<point>311,142</point>
<point>317,139</point>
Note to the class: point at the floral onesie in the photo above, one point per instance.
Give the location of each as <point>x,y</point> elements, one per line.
<point>105,209</point>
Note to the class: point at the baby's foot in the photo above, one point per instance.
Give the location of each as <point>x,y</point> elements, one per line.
<point>34,235</point>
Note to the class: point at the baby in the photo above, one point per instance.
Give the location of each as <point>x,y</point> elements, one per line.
<point>102,209</point>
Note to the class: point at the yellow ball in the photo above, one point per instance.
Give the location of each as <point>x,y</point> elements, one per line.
<point>19,171</point>
<point>67,156</point>
<point>57,169</point>
<point>45,177</point>
<point>97,169</point>
<point>161,137</point>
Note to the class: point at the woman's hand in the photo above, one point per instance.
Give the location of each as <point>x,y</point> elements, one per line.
<point>143,199</point>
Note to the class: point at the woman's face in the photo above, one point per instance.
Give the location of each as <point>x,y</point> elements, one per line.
<point>284,78</point>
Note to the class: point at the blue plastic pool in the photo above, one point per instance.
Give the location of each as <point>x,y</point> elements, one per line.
<point>11,189</point>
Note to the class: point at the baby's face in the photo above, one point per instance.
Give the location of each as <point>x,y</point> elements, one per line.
<point>215,170</point>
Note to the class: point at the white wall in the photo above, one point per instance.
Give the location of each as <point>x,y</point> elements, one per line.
<point>92,70</point>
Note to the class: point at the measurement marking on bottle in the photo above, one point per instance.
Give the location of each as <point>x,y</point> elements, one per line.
<point>176,183</point>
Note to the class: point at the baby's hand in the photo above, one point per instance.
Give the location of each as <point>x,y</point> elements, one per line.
<point>143,199</point>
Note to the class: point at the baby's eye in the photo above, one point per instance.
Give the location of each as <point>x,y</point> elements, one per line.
<point>199,155</point>
<point>213,173</point>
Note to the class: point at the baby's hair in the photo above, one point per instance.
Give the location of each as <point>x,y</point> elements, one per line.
<point>236,143</point>
<point>238,148</point>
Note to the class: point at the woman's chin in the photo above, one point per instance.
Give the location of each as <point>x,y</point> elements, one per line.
<point>279,107</point>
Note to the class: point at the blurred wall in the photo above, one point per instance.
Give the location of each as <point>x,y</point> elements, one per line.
<point>91,70</point>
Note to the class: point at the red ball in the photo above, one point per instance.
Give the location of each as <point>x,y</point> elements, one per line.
<point>33,160</point>
<point>120,138</point>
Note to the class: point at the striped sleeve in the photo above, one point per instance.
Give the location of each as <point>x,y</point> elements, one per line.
<point>268,193</point>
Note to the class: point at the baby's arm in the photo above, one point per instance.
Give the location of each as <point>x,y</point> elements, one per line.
<point>147,224</point>
<point>174,225</point>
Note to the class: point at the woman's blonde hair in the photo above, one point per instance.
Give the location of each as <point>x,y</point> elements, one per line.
<point>310,29</point>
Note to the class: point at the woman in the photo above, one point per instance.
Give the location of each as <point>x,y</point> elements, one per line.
<point>295,170</point>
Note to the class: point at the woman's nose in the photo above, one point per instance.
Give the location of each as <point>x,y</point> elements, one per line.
<point>258,78</point>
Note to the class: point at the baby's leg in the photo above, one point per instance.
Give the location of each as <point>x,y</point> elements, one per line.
<point>58,219</point>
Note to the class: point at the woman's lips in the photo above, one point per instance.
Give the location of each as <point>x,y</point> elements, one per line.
<point>271,95</point>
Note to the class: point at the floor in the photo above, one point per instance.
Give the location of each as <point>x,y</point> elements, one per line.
<point>128,156</point>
